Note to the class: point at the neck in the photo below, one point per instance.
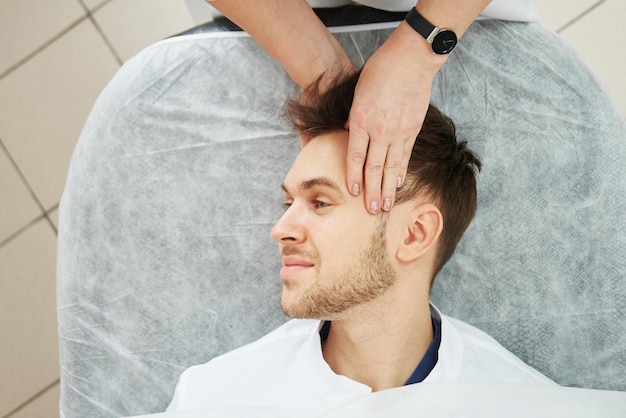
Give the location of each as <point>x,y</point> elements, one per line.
<point>380,346</point>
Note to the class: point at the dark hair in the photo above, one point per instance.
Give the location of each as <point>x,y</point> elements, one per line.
<point>440,168</point>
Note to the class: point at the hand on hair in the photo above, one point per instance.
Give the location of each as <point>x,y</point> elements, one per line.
<point>390,103</point>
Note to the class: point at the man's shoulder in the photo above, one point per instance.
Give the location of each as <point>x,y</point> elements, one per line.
<point>293,332</point>
<point>272,348</point>
<point>293,329</point>
<point>475,356</point>
<point>248,371</point>
<point>285,367</point>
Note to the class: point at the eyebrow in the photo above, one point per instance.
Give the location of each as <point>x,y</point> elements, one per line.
<point>318,181</point>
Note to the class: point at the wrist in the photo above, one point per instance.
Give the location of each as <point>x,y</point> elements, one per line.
<point>326,63</point>
<point>407,41</point>
<point>442,40</point>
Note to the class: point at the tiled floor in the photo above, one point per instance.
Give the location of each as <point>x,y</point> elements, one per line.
<point>55,57</point>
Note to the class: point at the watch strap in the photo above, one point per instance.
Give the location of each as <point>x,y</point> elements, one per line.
<point>420,24</point>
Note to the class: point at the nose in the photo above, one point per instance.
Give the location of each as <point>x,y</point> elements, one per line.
<point>290,227</point>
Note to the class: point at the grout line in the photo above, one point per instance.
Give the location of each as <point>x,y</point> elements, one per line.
<point>99,29</point>
<point>83,5</point>
<point>87,16</point>
<point>580,16</point>
<point>101,5</point>
<point>42,47</point>
<point>95,8</point>
<point>49,219</point>
<point>43,211</point>
<point>120,61</point>
<point>33,398</point>
<point>22,177</point>
<point>22,229</point>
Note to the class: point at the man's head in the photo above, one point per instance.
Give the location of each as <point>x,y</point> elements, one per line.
<point>335,254</point>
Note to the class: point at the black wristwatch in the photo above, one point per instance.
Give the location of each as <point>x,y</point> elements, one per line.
<point>442,41</point>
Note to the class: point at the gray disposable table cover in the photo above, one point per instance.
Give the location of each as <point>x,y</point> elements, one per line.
<point>165,258</point>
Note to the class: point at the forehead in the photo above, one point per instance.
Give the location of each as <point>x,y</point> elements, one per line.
<point>323,156</point>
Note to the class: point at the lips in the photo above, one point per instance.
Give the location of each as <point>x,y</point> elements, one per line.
<point>294,265</point>
<point>296,261</point>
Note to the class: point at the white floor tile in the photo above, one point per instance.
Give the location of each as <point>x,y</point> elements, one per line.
<point>17,205</point>
<point>45,102</point>
<point>27,25</point>
<point>92,4</point>
<point>29,359</point>
<point>44,406</point>
<point>201,11</point>
<point>600,38</point>
<point>557,13</point>
<point>132,25</point>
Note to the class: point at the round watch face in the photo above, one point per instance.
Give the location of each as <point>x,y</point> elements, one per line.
<point>444,42</point>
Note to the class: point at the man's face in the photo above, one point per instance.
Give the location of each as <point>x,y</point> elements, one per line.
<point>334,253</point>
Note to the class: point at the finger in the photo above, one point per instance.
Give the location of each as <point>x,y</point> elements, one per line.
<point>358,144</point>
<point>391,174</point>
<point>373,173</point>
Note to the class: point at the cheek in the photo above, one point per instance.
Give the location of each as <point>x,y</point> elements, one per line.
<point>343,245</point>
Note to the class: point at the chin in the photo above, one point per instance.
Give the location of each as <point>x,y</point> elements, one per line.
<point>291,311</point>
<point>292,308</point>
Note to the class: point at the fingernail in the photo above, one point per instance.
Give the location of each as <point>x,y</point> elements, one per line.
<point>400,181</point>
<point>374,207</point>
<point>356,189</point>
<point>387,205</point>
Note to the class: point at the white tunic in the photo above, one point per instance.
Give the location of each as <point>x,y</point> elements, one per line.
<point>286,368</point>
<point>518,10</point>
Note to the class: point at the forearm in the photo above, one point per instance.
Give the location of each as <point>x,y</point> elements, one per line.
<point>290,31</point>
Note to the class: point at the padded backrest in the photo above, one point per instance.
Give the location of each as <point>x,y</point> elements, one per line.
<point>165,258</point>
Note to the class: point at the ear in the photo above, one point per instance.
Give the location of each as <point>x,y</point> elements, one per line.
<point>422,232</point>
